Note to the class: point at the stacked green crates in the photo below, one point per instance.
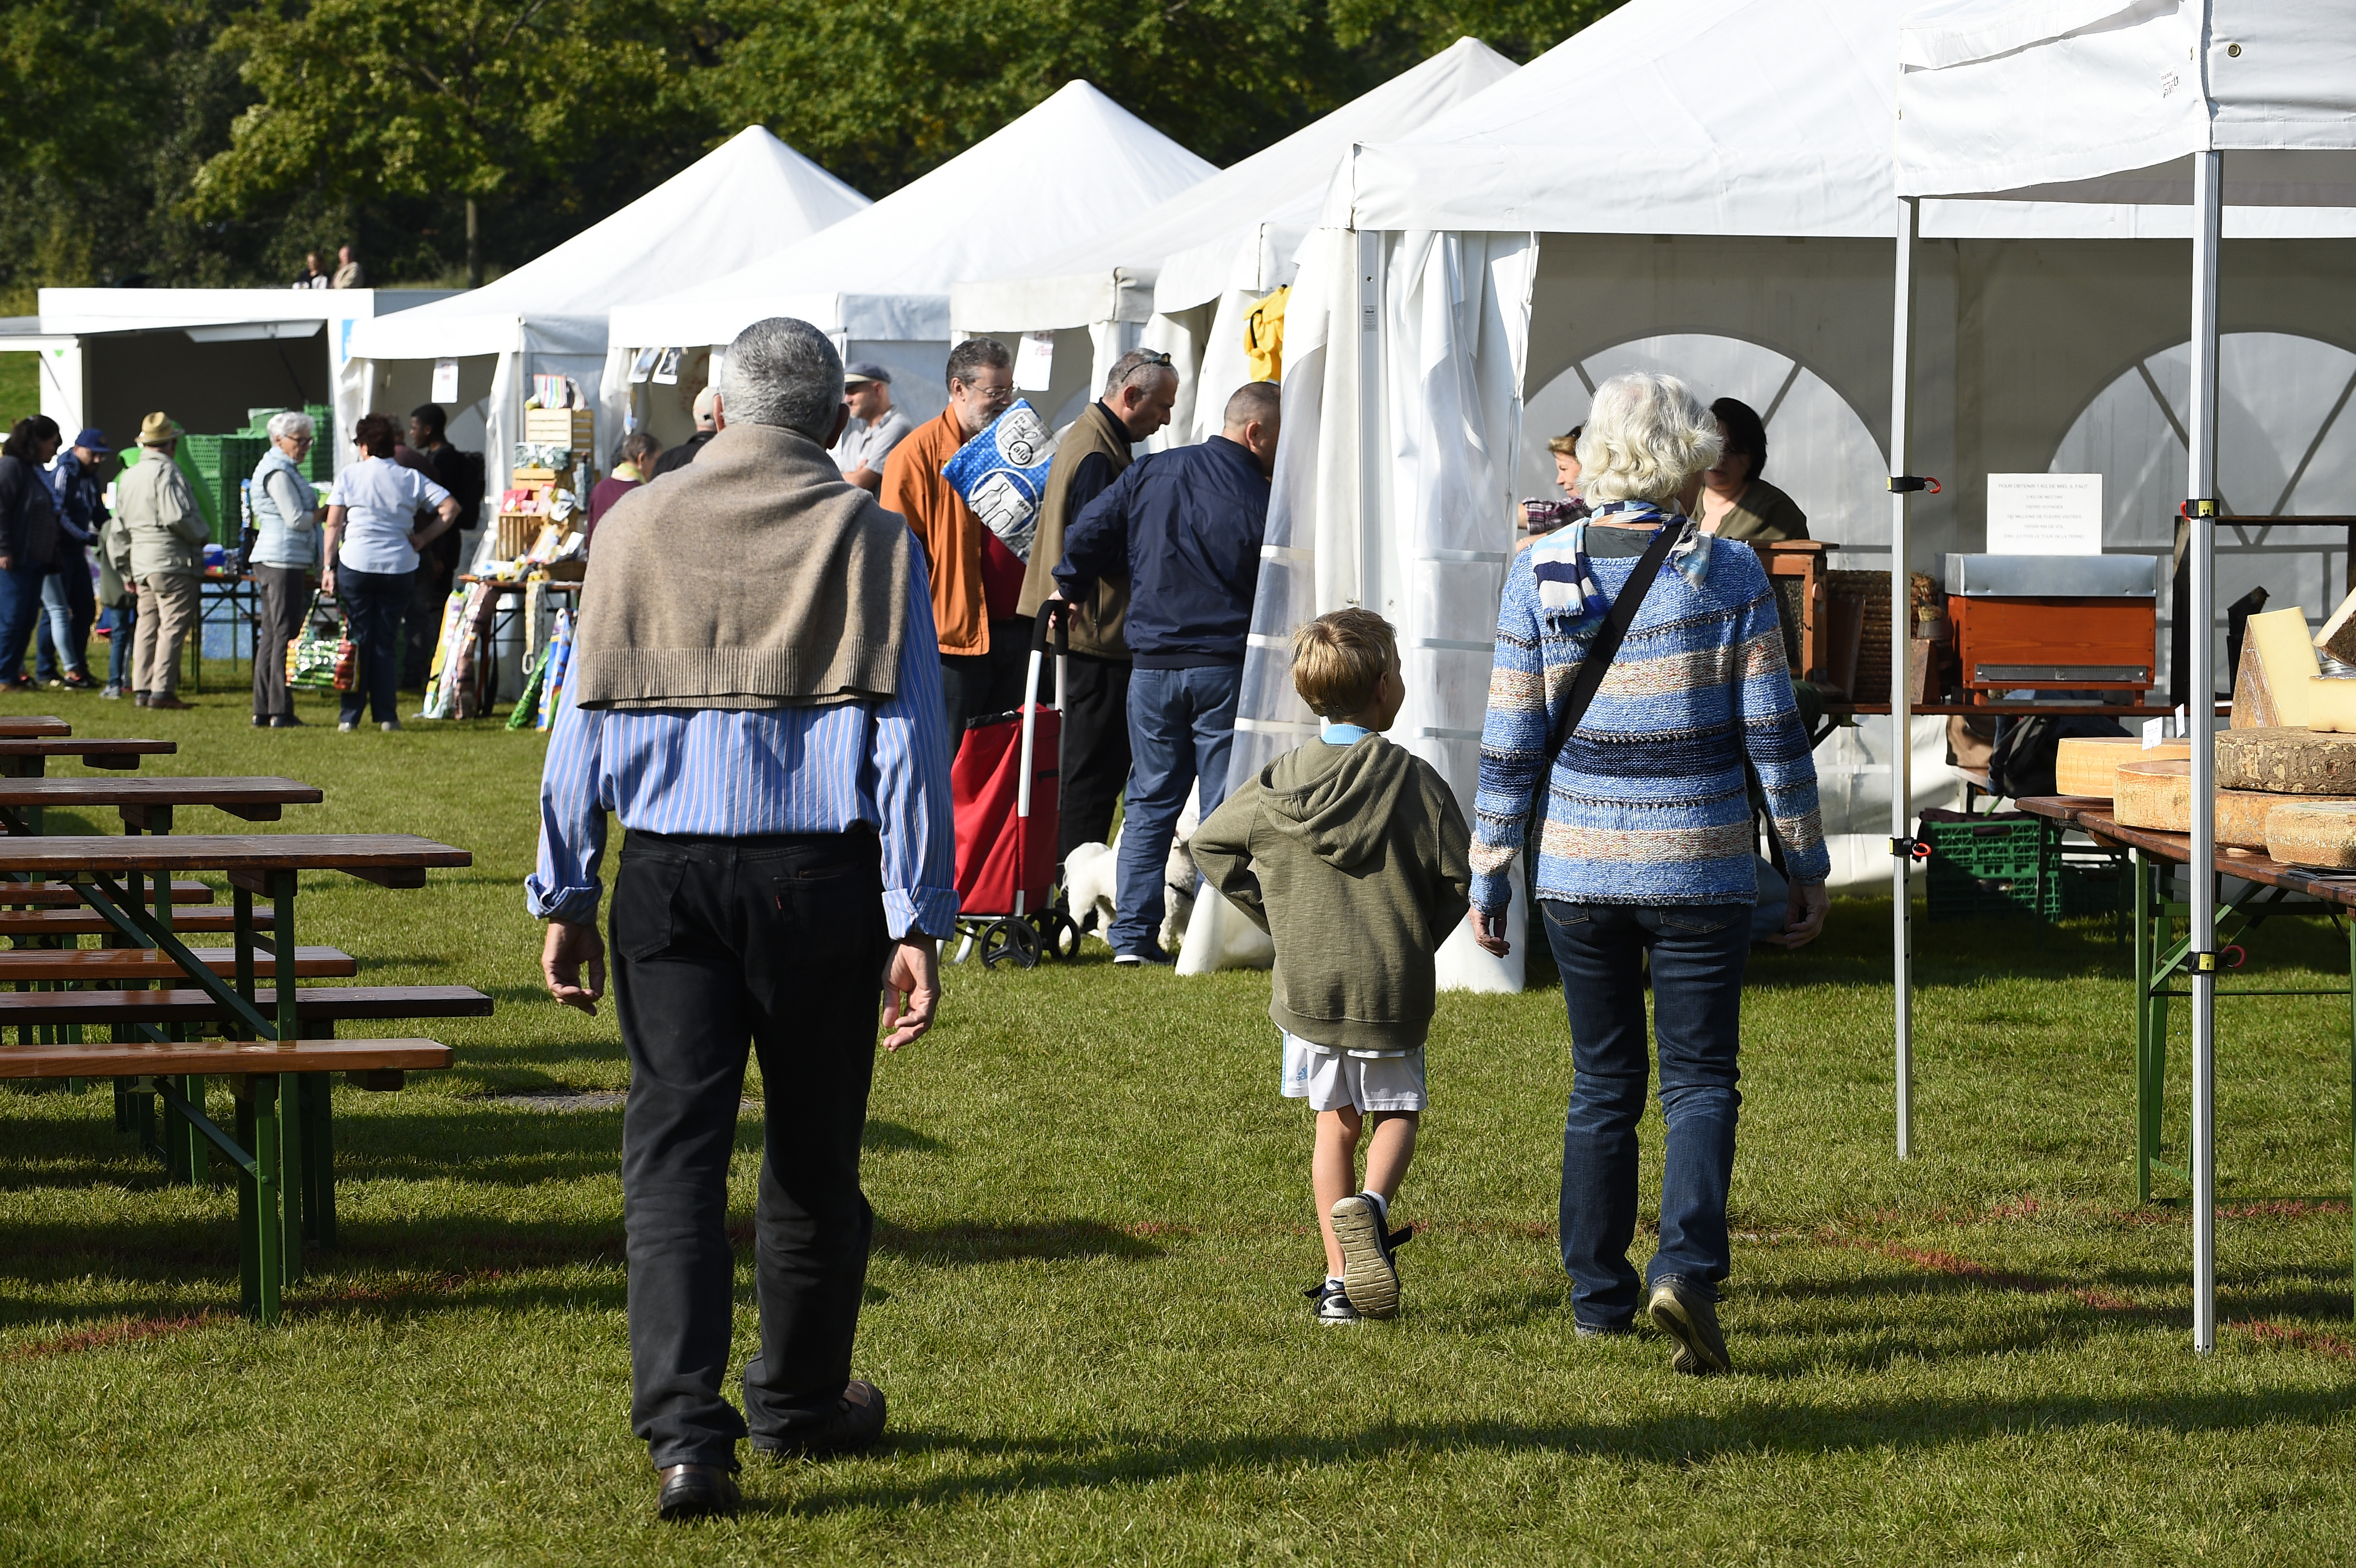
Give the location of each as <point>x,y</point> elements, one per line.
<point>2010,864</point>
<point>219,465</point>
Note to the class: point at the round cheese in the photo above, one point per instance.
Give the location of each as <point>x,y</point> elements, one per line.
<point>2286,762</point>
<point>2318,833</point>
<point>2087,764</point>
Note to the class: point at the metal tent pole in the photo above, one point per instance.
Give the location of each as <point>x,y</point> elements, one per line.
<point>1902,623</point>
<point>2208,206</point>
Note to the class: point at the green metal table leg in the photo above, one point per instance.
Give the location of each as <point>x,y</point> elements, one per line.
<point>272,1243</point>
<point>248,1218</point>
<point>2143,946</point>
<point>2156,1067</point>
<point>318,1159</point>
<point>289,1146</point>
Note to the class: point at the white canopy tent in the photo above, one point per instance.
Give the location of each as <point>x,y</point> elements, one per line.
<point>1734,232</point>
<point>751,195</point>
<point>2196,103</point>
<point>880,283</point>
<point>1180,277</point>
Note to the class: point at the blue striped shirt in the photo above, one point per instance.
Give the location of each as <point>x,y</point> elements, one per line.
<point>738,773</point>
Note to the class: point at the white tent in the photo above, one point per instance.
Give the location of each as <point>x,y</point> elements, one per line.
<point>1180,277</point>
<point>1073,166</point>
<point>2197,103</point>
<point>751,195</point>
<point>1733,230</point>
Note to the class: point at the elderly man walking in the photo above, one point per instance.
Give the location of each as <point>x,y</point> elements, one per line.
<point>977,581</point>
<point>168,537</point>
<point>1185,525</point>
<point>1095,451</point>
<point>755,693</point>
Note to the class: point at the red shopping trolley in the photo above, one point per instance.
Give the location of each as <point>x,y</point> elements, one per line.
<point>1002,787</point>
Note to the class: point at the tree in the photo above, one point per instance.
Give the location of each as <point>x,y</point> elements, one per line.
<point>484,100</point>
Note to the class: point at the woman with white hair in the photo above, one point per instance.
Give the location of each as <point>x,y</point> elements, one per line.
<point>1671,638</point>
<point>286,551</point>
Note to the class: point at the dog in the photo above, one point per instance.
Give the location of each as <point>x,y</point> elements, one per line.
<point>1092,875</point>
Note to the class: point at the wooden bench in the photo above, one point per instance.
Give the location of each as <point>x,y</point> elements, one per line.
<point>147,803</point>
<point>19,726</point>
<point>315,1005</point>
<point>135,966</point>
<point>23,923</point>
<point>270,1195</point>
<point>28,756</point>
<point>53,895</point>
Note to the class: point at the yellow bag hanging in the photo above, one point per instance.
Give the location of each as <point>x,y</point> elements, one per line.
<point>1264,337</point>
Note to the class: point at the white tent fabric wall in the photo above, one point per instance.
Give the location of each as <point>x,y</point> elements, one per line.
<point>885,275</point>
<point>1189,292</point>
<point>751,195</point>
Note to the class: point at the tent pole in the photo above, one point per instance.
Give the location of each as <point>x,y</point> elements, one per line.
<point>1901,625</point>
<point>2207,231</point>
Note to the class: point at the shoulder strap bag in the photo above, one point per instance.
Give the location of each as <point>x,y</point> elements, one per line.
<point>1608,637</point>
<point>319,663</point>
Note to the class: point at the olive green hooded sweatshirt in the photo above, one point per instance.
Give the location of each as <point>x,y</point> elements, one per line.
<point>1356,860</point>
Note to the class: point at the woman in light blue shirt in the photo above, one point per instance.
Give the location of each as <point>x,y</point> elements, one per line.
<point>371,554</point>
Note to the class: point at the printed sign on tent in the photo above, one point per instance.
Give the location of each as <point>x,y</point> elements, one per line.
<point>2045,514</point>
<point>1034,361</point>
<point>667,368</point>
<point>446,380</point>
<point>643,366</point>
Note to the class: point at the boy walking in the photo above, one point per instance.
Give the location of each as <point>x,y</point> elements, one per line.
<point>1353,856</point>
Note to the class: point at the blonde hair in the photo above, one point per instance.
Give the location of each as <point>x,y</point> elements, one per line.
<point>1645,436</point>
<point>1339,661</point>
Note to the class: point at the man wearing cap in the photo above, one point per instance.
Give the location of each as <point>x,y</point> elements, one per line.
<point>69,606</point>
<point>168,537</point>
<point>707,408</point>
<point>875,427</point>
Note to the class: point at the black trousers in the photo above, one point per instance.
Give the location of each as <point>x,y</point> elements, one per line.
<point>975,686</point>
<point>1095,749</point>
<point>374,601</point>
<point>721,944</point>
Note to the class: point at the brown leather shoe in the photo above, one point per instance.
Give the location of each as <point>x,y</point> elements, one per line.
<point>697,1491</point>
<point>168,701</point>
<point>855,1422</point>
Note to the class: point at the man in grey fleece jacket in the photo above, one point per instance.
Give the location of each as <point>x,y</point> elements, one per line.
<point>1352,854</point>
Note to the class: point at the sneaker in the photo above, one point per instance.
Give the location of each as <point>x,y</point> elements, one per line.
<point>1332,1302</point>
<point>140,697</point>
<point>79,681</point>
<point>855,1422</point>
<point>112,694</point>
<point>1369,1269</point>
<point>260,722</point>
<point>1690,1318</point>
<point>345,727</point>
<point>286,721</point>
<point>391,726</point>
<point>1154,955</point>
<point>54,683</point>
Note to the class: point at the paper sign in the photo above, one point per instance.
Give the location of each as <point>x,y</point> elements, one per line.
<point>644,365</point>
<point>2154,730</point>
<point>719,368</point>
<point>1034,361</point>
<point>667,366</point>
<point>446,380</point>
<point>2045,514</point>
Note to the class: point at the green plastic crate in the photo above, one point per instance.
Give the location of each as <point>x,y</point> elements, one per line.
<point>1989,865</point>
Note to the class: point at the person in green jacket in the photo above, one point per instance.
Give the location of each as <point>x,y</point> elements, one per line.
<point>1352,854</point>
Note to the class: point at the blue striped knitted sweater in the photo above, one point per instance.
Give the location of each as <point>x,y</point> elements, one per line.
<point>1648,803</point>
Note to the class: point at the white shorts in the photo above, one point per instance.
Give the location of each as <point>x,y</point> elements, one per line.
<point>1330,1079</point>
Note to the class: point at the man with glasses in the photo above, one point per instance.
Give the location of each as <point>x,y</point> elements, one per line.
<point>1094,451</point>
<point>977,581</point>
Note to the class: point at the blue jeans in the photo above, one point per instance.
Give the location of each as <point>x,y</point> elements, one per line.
<point>1698,952</point>
<point>20,611</point>
<point>1181,724</point>
<point>375,600</point>
<point>72,607</point>
<point>123,629</point>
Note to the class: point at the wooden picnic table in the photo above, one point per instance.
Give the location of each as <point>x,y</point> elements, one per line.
<point>25,757</point>
<point>146,802</point>
<point>283,1121</point>
<point>16,725</point>
<point>2162,957</point>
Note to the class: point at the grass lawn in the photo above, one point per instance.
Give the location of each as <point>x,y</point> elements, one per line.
<point>1095,1226</point>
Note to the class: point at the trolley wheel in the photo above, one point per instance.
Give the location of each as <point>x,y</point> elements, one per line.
<point>1058,936</point>
<point>1009,939</point>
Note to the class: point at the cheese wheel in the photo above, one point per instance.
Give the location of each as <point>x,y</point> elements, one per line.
<point>2318,833</point>
<point>2158,797</point>
<point>2086,764</point>
<point>2331,704</point>
<point>2155,794</point>
<point>2286,762</point>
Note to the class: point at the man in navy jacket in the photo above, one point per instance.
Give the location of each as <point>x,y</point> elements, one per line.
<point>1186,525</point>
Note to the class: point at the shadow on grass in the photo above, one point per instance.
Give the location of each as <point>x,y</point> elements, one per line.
<point>999,1467</point>
<point>967,1243</point>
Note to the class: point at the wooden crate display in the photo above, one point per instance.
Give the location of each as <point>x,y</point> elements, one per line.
<point>1858,657</point>
<point>519,528</point>
<point>575,428</point>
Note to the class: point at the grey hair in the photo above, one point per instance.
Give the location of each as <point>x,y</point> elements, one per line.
<point>293,422</point>
<point>972,355</point>
<point>783,371</point>
<point>1135,366</point>
<point>1645,436</point>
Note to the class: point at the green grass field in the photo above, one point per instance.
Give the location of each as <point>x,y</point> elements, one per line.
<point>1095,1226</point>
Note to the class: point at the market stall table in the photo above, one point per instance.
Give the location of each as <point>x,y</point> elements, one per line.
<point>504,615</point>
<point>282,1143</point>
<point>2161,956</point>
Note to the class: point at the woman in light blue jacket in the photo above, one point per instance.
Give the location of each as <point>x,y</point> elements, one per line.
<point>285,553</point>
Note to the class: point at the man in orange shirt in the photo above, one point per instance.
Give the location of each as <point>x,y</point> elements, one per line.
<point>977,581</point>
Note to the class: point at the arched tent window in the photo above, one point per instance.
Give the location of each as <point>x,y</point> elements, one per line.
<point>1818,450</point>
<point>2286,447</point>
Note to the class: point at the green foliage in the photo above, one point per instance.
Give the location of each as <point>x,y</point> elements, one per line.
<point>20,386</point>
